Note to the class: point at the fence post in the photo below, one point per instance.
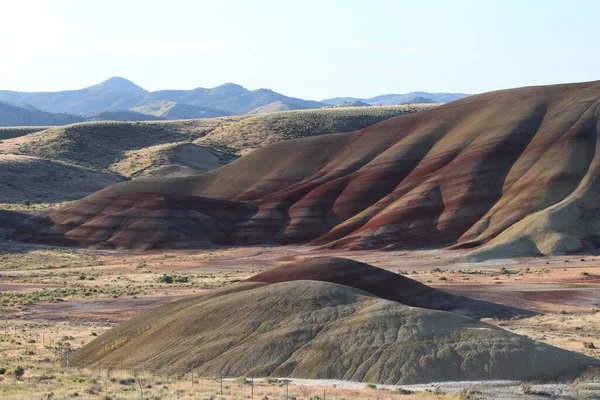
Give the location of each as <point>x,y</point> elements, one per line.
<point>252,383</point>
<point>221,386</point>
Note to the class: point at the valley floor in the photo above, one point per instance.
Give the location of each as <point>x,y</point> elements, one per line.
<point>55,295</point>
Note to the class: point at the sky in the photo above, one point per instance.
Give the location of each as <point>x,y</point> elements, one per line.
<point>309,49</point>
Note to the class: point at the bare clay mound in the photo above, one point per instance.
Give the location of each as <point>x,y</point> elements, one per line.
<point>384,284</point>
<point>323,330</point>
<point>506,173</point>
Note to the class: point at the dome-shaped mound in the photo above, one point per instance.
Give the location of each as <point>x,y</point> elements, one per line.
<point>322,330</point>
<point>384,284</point>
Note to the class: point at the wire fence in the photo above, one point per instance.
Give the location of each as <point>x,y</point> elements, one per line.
<point>140,372</point>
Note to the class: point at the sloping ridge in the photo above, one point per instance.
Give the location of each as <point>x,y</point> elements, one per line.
<point>507,173</point>
<point>322,330</point>
<point>384,284</point>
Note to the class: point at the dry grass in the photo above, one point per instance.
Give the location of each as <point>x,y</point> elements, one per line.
<point>9,132</point>
<point>570,331</point>
<point>45,377</point>
<point>253,132</point>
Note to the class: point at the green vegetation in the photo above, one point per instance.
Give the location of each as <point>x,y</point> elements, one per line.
<point>60,294</point>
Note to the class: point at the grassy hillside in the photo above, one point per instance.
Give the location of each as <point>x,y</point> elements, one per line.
<point>9,132</point>
<point>253,132</point>
<point>276,106</point>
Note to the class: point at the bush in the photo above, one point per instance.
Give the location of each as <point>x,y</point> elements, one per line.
<point>2,370</point>
<point>165,279</point>
<point>589,345</point>
<point>370,386</point>
<point>466,394</point>
<point>19,372</point>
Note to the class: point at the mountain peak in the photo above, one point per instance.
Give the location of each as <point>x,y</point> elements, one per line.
<point>118,84</point>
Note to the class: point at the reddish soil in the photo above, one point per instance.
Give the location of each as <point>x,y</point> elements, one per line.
<point>461,173</point>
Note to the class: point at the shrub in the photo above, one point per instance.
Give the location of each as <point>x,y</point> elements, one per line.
<point>585,273</point>
<point>466,394</point>
<point>2,370</point>
<point>165,279</point>
<point>370,386</point>
<point>19,372</point>
<point>589,345</point>
<point>181,278</point>
<point>242,380</point>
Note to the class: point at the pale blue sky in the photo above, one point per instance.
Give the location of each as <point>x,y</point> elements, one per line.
<point>309,49</point>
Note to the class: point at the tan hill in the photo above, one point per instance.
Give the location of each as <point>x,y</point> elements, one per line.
<point>9,132</point>
<point>276,106</point>
<point>26,178</point>
<point>507,173</point>
<point>323,330</point>
<point>171,160</point>
<point>249,133</point>
<point>173,110</point>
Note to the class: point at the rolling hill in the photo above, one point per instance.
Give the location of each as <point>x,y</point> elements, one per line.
<point>506,173</point>
<point>276,106</point>
<point>318,329</point>
<point>163,148</point>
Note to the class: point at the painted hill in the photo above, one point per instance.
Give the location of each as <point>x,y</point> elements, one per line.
<point>323,330</point>
<point>384,284</point>
<point>505,173</point>
<point>172,110</point>
<point>406,98</point>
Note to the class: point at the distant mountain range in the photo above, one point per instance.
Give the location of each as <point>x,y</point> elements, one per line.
<point>14,115</point>
<point>406,98</point>
<point>120,99</point>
